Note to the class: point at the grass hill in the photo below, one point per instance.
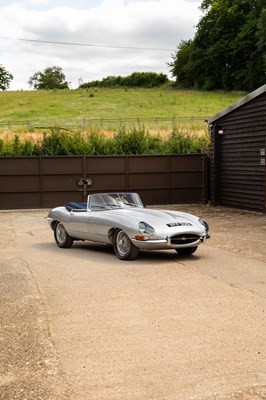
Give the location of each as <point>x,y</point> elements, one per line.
<point>34,110</point>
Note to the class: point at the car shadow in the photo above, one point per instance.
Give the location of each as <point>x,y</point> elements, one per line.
<point>83,247</point>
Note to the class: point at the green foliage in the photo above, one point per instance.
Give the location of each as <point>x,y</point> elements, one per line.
<point>228,51</point>
<point>184,143</point>
<point>51,78</point>
<point>261,36</point>
<point>134,141</point>
<point>138,141</point>
<point>99,144</point>
<point>5,78</point>
<point>183,65</point>
<point>136,79</point>
<point>16,147</point>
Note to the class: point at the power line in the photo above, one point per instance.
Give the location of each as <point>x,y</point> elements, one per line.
<point>86,44</point>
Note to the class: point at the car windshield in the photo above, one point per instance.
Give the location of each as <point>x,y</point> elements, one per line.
<point>103,201</point>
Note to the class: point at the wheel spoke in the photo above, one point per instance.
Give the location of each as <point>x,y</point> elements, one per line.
<point>60,233</point>
<point>61,236</point>
<point>123,244</point>
<point>124,248</point>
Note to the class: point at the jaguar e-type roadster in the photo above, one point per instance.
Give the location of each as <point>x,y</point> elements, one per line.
<point>121,219</point>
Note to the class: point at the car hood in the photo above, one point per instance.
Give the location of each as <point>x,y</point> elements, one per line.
<point>158,217</point>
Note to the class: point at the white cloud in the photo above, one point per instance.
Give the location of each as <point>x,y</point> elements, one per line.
<point>156,24</point>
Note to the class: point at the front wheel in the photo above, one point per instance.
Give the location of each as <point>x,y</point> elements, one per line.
<point>61,236</point>
<point>124,248</point>
<point>186,251</point>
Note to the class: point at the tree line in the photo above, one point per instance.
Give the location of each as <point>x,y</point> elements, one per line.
<point>137,79</point>
<point>228,52</point>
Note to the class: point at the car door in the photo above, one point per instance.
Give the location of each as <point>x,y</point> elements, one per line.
<point>80,225</point>
<point>89,225</point>
<point>98,225</point>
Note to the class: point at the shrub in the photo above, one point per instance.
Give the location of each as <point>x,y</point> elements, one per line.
<point>183,143</point>
<point>132,142</point>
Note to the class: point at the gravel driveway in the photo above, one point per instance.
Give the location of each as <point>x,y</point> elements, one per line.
<point>79,324</point>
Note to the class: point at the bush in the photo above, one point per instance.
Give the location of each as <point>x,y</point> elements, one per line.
<point>184,143</point>
<point>132,142</point>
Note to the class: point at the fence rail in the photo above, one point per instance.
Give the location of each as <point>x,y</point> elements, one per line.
<point>156,123</point>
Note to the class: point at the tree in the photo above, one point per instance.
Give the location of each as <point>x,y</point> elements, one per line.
<point>182,66</point>
<point>228,49</point>
<point>5,78</point>
<point>261,36</point>
<point>50,78</point>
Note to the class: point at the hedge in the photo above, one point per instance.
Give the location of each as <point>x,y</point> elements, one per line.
<point>134,141</point>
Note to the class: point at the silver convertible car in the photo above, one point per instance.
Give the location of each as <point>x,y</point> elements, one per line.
<point>121,219</point>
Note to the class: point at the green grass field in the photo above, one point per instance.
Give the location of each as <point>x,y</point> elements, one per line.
<point>22,109</point>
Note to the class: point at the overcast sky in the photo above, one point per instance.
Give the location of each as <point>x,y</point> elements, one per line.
<point>108,37</point>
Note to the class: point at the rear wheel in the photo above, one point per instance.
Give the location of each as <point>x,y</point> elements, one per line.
<point>124,248</point>
<point>61,236</point>
<point>186,251</point>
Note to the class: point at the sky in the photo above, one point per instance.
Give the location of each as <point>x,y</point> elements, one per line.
<point>92,39</point>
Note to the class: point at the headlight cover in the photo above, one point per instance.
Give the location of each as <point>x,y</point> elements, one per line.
<point>204,223</point>
<point>145,228</point>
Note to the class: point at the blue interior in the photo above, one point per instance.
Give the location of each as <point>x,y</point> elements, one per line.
<point>75,206</point>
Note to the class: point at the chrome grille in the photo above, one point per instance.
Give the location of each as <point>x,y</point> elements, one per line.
<point>186,238</point>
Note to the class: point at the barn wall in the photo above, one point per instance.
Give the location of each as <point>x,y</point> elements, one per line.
<point>238,156</point>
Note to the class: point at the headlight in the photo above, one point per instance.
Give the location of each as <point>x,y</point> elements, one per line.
<point>145,228</point>
<point>204,223</point>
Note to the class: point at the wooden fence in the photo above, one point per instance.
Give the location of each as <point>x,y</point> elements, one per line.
<point>105,124</point>
<point>43,182</point>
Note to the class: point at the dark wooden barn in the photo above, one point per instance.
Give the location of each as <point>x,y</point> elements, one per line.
<point>238,136</point>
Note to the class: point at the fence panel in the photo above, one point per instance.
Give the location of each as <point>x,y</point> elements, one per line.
<point>44,182</point>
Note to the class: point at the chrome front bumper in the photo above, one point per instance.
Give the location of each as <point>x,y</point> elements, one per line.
<point>163,244</point>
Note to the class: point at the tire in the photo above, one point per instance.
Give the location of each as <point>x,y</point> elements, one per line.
<point>124,248</point>
<point>186,251</point>
<point>61,236</point>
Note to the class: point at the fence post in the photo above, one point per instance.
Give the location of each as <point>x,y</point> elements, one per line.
<point>30,126</point>
<point>174,123</point>
<point>82,123</point>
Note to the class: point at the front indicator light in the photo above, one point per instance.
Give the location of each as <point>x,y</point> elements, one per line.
<point>141,238</point>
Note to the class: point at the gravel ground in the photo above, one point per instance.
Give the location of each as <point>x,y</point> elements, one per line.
<point>79,324</point>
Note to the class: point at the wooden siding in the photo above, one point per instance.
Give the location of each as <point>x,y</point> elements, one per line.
<point>237,164</point>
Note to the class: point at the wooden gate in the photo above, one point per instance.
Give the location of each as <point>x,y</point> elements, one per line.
<point>44,182</point>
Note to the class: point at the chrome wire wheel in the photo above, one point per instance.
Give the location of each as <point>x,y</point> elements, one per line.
<point>60,233</point>
<point>61,236</point>
<point>123,243</point>
<point>124,248</point>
